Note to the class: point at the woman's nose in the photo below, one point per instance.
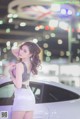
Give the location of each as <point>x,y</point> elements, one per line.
<point>21,51</point>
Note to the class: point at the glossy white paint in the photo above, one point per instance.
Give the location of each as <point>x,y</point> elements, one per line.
<point>64,110</point>
<point>41,111</point>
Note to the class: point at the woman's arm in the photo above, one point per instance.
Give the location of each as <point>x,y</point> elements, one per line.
<point>18,80</point>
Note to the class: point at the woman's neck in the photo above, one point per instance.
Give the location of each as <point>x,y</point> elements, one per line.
<point>26,60</point>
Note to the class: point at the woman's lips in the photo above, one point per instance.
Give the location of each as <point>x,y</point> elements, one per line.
<point>20,55</point>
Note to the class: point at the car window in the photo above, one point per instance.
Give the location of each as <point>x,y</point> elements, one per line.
<point>6,93</point>
<point>37,90</point>
<point>56,94</point>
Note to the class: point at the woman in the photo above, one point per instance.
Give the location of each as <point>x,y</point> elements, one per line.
<point>24,100</point>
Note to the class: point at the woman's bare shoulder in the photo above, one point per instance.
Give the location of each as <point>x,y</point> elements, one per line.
<point>19,64</point>
<point>19,67</point>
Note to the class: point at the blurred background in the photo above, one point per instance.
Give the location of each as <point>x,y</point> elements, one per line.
<point>54,25</point>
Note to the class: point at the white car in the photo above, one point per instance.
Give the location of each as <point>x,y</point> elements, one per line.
<point>53,100</point>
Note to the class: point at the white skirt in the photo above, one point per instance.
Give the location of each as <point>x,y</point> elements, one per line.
<point>24,100</point>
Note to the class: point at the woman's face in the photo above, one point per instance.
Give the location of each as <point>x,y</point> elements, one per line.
<point>24,52</point>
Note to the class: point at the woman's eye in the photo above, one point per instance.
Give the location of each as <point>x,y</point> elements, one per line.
<point>25,51</point>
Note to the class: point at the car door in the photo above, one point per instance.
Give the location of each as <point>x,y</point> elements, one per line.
<point>6,99</point>
<point>41,110</point>
<point>62,103</point>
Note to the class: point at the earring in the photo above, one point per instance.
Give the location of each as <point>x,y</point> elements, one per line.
<point>31,58</point>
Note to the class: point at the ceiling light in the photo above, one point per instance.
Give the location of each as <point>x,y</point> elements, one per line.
<point>48,53</point>
<point>69,12</point>
<point>47,36</point>
<point>45,45</point>
<point>10,15</point>
<point>45,52</point>
<point>63,25</point>
<point>53,23</point>
<point>15,44</point>
<point>53,34</point>
<point>10,20</point>
<point>15,15</point>
<point>22,24</point>
<point>48,59</point>
<point>67,53</point>
<point>36,28</point>
<point>35,40</point>
<point>60,41</point>
<point>63,11</point>
<point>8,30</point>
<point>1,22</point>
<point>8,43</point>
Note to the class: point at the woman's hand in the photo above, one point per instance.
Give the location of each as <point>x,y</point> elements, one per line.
<point>15,52</point>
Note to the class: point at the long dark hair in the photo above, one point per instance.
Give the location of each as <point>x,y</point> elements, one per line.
<point>35,59</point>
